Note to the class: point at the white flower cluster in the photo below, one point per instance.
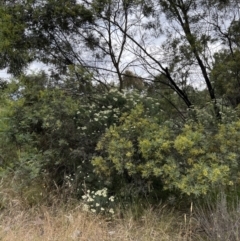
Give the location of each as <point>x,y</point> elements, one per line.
<point>111,109</point>
<point>69,179</point>
<point>98,201</point>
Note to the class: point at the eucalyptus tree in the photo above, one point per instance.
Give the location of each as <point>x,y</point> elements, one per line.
<point>175,39</point>
<point>42,31</point>
<point>183,36</point>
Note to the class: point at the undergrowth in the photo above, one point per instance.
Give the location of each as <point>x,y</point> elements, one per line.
<point>55,217</point>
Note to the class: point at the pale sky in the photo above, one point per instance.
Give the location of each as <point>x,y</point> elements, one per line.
<point>3,74</point>
<point>34,67</point>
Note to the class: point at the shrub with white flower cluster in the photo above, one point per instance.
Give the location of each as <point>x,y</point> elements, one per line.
<point>92,119</point>
<point>98,201</point>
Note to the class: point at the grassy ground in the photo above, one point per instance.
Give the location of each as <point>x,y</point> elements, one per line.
<point>57,220</point>
<point>63,224</point>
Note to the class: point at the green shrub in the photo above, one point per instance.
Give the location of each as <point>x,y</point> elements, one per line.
<point>188,159</point>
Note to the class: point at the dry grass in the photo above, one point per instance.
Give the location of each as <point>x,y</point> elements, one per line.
<point>63,223</point>
<point>66,221</point>
<point>220,219</point>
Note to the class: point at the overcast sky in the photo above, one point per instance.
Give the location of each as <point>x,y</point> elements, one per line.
<point>4,75</point>
<point>34,67</point>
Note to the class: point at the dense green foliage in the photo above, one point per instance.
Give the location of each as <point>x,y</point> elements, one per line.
<point>191,158</point>
<point>96,120</point>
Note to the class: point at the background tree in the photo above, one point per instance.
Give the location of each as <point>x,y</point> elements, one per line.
<point>155,124</point>
<point>113,31</point>
<point>226,76</point>
<point>132,81</point>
